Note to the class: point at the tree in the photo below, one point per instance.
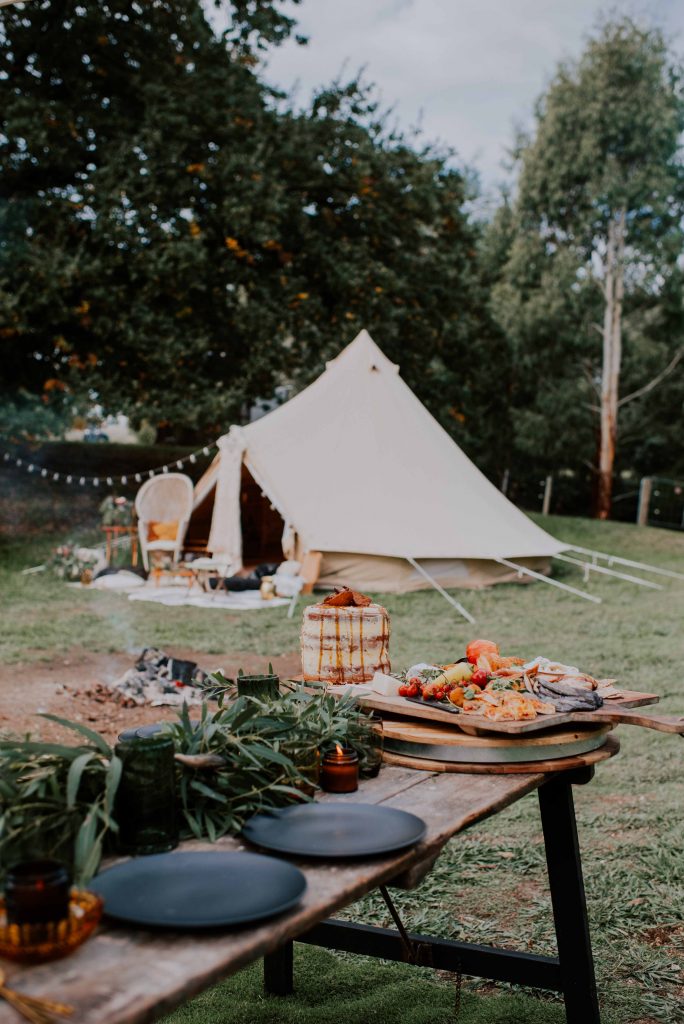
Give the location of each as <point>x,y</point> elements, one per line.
<point>601,181</point>
<point>179,240</point>
<point>97,249</point>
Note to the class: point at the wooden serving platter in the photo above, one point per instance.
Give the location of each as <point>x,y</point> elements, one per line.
<point>618,710</point>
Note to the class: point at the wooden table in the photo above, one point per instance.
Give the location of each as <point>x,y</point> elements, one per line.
<point>131,976</point>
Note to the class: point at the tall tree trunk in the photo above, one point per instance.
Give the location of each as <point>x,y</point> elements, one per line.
<point>612,358</point>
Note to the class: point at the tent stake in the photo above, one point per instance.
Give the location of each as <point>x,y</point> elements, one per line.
<point>627,561</point>
<point>592,567</point>
<point>440,590</point>
<point>522,570</point>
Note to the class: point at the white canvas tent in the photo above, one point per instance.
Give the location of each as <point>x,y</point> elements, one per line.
<point>359,470</point>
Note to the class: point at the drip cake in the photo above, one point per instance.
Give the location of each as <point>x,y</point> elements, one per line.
<point>345,639</point>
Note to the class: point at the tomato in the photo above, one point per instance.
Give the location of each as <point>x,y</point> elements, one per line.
<point>477,647</point>
<point>480,677</point>
<point>439,695</point>
<point>414,690</point>
<point>403,691</point>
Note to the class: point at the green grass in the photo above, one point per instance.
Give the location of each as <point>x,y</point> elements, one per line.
<point>357,991</point>
<point>489,885</point>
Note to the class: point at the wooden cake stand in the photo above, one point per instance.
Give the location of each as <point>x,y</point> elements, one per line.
<point>438,748</point>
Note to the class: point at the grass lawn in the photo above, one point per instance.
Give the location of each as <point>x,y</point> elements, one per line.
<point>489,885</point>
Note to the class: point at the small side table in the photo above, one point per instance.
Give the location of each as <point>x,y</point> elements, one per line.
<point>113,533</point>
<point>206,569</point>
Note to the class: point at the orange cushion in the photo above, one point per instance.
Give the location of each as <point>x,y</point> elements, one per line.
<point>162,531</point>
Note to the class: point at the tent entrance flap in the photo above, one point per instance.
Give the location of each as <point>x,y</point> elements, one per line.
<point>234,518</point>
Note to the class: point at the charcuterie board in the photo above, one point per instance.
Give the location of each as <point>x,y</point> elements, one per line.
<point>618,711</point>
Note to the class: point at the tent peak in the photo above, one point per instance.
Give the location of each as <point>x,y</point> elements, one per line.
<point>363,353</point>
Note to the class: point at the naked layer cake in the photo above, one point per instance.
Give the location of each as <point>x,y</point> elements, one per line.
<point>345,639</point>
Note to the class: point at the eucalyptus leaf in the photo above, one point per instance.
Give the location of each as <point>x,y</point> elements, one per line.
<point>74,776</point>
<point>94,737</point>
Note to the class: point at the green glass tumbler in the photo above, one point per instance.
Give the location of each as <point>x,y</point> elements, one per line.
<point>263,687</point>
<point>145,808</point>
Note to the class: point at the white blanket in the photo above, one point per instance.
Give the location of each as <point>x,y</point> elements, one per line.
<point>245,600</point>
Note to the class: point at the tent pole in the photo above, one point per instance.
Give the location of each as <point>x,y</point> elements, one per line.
<point>591,567</point>
<point>523,571</point>
<point>627,561</point>
<point>440,590</point>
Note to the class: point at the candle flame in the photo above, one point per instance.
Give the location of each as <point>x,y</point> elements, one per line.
<point>338,750</point>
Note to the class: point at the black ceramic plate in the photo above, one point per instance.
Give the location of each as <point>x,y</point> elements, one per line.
<point>335,830</point>
<point>199,890</point>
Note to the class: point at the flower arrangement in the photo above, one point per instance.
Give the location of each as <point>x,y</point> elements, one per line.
<point>116,511</point>
<point>70,562</point>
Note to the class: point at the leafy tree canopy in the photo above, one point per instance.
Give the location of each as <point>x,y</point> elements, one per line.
<point>176,239</point>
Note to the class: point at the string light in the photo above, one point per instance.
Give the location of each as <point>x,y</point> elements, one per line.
<point>110,481</point>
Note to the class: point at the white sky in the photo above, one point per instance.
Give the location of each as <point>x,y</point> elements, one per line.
<point>468,69</point>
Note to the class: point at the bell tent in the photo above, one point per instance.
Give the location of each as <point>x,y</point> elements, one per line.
<point>356,468</point>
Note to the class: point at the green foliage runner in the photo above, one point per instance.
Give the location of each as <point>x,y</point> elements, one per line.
<point>59,800</point>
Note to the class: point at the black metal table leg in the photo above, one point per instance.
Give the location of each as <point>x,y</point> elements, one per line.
<point>568,901</point>
<point>278,971</point>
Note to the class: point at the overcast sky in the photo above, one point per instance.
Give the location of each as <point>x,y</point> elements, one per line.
<point>469,69</point>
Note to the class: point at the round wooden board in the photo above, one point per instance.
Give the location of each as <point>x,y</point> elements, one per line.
<point>435,742</point>
<point>434,733</point>
<point>610,748</point>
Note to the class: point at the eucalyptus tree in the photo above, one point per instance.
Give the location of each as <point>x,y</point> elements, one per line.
<point>601,181</point>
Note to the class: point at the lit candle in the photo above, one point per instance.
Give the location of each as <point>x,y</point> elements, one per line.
<point>37,892</point>
<point>340,770</point>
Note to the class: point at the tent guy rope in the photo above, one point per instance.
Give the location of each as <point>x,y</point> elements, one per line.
<point>523,571</point>
<point>626,561</point>
<point>590,567</point>
<point>440,590</point>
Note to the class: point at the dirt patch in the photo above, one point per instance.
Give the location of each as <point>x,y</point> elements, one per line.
<point>58,689</point>
<point>665,935</point>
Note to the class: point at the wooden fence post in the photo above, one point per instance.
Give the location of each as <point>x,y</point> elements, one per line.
<point>645,488</point>
<point>548,488</point>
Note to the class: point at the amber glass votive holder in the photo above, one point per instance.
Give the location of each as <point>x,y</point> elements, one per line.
<point>340,770</point>
<point>37,892</point>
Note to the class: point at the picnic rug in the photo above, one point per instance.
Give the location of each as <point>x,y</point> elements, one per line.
<point>247,600</point>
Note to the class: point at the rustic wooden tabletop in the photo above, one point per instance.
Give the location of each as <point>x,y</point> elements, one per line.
<point>130,976</point>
